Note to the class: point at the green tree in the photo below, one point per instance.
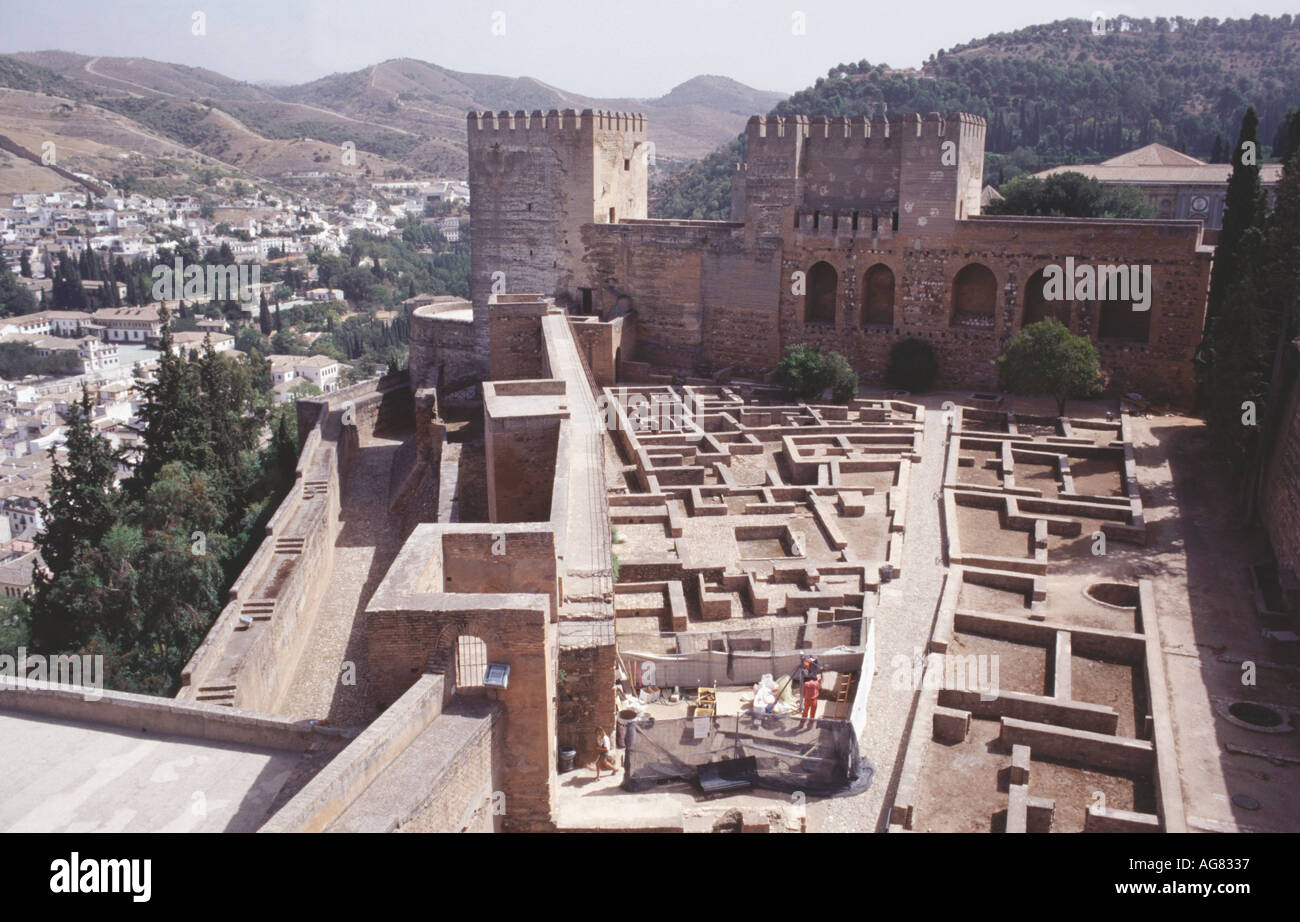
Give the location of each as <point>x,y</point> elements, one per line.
<point>805,373</point>
<point>1046,358</point>
<point>81,507</point>
<point>264,316</point>
<point>1069,195</point>
<point>14,298</point>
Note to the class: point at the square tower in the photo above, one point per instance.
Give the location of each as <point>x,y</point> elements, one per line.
<point>535,181</point>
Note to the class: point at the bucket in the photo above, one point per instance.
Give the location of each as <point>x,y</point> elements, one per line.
<point>567,757</point>
<point>625,717</point>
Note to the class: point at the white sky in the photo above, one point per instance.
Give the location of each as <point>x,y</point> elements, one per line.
<point>601,48</point>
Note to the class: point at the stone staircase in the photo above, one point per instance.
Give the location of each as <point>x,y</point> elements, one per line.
<point>220,695</point>
<point>290,546</point>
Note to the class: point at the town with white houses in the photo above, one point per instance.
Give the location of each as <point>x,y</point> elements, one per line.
<point>112,350</point>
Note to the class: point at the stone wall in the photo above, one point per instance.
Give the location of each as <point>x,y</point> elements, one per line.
<point>149,714</point>
<point>251,663</point>
<point>443,345</point>
<point>826,190</point>
<point>516,337</point>
<point>521,457</point>
<point>606,345</point>
<point>585,702</point>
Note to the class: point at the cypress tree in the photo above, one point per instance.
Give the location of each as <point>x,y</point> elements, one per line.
<point>81,508</point>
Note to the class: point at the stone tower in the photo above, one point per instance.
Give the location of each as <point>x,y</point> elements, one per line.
<point>859,174</point>
<point>535,181</point>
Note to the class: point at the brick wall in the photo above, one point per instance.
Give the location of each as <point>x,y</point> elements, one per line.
<point>521,456</point>
<point>585,702</point>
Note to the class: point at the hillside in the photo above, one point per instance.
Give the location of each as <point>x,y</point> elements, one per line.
<point>404,116</point>
<point>1060,93</point>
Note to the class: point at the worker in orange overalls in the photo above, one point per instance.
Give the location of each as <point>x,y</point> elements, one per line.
<point>812,687</point>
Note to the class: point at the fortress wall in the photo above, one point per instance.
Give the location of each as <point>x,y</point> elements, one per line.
<point>689,285</point>
<point>521,462</point>
<point>442,345</point>
<point>1013,249</point>
<point>340,782</point>
<point>462,789</point>
<point>605,345</point>
<point>251,667</point>
<point>516,340</point>
<point>151,714</point>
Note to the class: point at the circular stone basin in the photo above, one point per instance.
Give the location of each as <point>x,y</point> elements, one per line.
<point>1255,714</point>
<point>1113,595</point>
<point>1251,715</point>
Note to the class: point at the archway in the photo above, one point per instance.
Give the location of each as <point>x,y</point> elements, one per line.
<point>819,302</point>
<point>878,296</point>
<point>974,297</point>
<point>1037,306</point>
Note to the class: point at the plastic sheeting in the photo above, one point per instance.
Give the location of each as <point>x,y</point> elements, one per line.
<point>814,756</point>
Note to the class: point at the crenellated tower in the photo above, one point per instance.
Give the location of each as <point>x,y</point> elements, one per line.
<point>860,173</point>
<point>535,181</point>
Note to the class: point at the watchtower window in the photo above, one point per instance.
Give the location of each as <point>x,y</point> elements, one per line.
<point>855,220</point>
<point>895,223</point>
<point>817,220</point>
<point>627,164</point>
<point>796,219</point>
<point>875,223</point>
<point>611,216</point>
<point>586,300</point>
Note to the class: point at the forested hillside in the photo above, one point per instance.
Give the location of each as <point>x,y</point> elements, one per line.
<point>1062,93</point>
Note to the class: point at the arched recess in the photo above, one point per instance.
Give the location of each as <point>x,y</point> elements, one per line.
<point>878,296</point>
<point>822,294</point>
<point>1038,307</point>
<point>974,297</point>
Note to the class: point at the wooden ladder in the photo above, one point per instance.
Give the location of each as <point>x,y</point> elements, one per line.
<point>842,695</point>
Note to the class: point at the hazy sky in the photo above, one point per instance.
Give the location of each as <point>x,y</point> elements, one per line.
<point>595,47</point>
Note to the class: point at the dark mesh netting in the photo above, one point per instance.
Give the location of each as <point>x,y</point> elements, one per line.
<point>780,753</point>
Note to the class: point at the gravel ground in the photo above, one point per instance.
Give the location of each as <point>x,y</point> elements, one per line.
<point>904,620</point>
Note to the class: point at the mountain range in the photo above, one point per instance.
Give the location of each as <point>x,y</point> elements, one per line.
<point>164,122</point>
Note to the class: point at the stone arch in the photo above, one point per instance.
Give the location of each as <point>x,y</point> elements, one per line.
<point>822,294</point>
<point>974,297</point>
<point>878,296</point>
<point>1038,307</point>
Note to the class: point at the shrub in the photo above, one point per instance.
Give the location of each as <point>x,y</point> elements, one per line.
<point>806,372</point>
<point>1046,358</point>
<point>912,366</point>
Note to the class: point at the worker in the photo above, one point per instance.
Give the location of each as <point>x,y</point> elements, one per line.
<point>604,753</point>
<point>808,668</point>
<point>811,690</point>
